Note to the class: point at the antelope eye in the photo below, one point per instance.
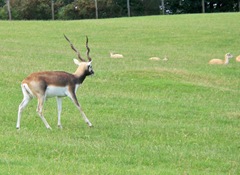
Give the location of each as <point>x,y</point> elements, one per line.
<point>90,68</point>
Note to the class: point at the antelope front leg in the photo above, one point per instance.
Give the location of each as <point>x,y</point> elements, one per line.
<point>59,105</point>
<point>75,101</point>
<point>84,117</point>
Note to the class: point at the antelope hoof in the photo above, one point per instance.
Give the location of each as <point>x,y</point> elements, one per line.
<point>60,126</point>
<point>90,125</point>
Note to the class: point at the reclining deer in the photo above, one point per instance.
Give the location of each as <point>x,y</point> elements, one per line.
<point>43,85</point>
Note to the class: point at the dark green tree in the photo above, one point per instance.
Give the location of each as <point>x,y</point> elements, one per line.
<point>151,7</point>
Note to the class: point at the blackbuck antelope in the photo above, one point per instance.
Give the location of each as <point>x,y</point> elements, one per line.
<point>154,58</point>
<point>227,57</point>
<point>115,55</point>
<point>43,85</point>
<point>238,58</point>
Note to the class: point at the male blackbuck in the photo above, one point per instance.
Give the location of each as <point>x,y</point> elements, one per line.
<point>43,85</point>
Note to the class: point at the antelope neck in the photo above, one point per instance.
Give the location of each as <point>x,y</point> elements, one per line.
<point>226,60</point>
<point>80,78</point>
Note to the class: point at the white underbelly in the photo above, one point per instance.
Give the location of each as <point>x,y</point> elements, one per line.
<point>53,91</point>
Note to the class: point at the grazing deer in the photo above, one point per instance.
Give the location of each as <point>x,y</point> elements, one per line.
<point>43,85</point>
<point>219,61</point>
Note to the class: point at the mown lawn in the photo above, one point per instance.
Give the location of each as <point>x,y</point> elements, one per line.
<point>179,116</point>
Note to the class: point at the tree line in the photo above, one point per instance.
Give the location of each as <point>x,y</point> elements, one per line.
<point>89,9</point>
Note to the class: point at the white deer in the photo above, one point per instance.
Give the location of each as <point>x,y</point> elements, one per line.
<point>116,55</point>
<point>238,58</point>
<point>43,85</point>
<point>219,61</point>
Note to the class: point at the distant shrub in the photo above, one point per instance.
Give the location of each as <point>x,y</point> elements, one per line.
<point>3,13</point>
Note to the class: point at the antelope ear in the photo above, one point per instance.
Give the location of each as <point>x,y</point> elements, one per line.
<point>76,62</point>
<point>89,63</point>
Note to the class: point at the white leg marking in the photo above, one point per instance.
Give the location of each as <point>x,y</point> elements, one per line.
<point>22,105</point>
<point>59,105</point>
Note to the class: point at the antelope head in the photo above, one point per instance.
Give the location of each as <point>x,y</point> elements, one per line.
<point>83,65</point>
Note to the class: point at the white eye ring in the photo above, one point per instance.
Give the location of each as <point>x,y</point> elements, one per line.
<point>90,68</point>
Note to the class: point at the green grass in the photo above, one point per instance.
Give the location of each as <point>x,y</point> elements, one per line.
<point>151,117</point>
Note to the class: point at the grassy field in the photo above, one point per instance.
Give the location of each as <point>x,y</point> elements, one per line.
<point>179,116</point>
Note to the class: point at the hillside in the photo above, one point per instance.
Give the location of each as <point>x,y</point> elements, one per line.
<point>179,116</point>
